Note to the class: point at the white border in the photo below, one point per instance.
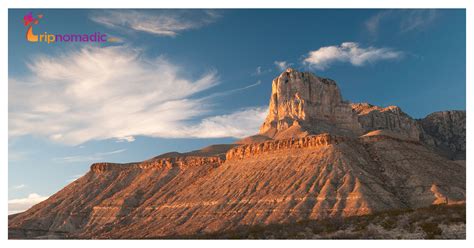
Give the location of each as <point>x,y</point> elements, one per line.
<point>31,4</point>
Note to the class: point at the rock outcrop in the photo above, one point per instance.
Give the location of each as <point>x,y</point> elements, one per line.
<point>303,104</point>
<point>306,103</point>
<point>446,131</point>
<point>391,118</point>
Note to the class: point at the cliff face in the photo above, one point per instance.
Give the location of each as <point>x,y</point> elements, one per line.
<point>303,104</point>
<point>446,131</point>
<point>391,118</point>
<point>309,103</point>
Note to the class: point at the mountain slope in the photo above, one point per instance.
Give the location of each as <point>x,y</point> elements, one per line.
<point>316,157</point>
<point>272,182</point>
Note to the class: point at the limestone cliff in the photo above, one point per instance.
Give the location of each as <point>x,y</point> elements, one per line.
<point>307,103</point>
<point>303,104</point>
<point>391,118</point>
<point>446,131</point>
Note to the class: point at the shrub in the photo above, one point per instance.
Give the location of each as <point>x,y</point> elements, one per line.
<point>431,230</point>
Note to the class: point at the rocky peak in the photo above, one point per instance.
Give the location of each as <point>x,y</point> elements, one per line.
<point>308,103</point>
<point>302,104</point>
<point>390,118</point>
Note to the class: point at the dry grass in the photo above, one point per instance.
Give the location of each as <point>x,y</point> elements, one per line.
<point>420,223</point>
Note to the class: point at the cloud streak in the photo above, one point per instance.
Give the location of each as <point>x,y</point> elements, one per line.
<point>238,124</point>
<point>405,20</point>
<point>18,187</point>
<point>116,92</point>
<point>91,157</point>
<point>349,52</point>
<point>23,204</point>
<point>101,93</point>
<point>156,22</point>
<point>282,65</point>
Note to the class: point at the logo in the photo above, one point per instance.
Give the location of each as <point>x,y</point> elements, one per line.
<point>29,21</point>
<point>45,37</point>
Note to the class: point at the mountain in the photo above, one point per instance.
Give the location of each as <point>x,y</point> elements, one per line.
<point>446,131</point>
<point>315,157</point>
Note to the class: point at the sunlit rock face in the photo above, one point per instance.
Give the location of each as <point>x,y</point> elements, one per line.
<point>391,118</point>
<point>312,103</point>
<point>302,104</point>
<point>276,181</point>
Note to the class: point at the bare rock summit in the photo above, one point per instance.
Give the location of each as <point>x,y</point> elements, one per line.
<point>307,103</point>
<point>303,104</point>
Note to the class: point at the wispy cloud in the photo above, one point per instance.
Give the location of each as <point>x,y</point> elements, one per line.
<point>239,124</point>
<point>74,178</point>
<point>373,23</point>
<point>99,156</point>
<point>125,139</point>
<point>22,204</point>
<point>232,91</point>
<point>348,52</point>
<point>16,155</point>
<point>405,20</point>
<point>417,19</point>
<point>101,93</point>
<point>260,71</point>
<point>112,92</point>
<point>18,187</point>
<point>157,22</point>
<point>282,65</point>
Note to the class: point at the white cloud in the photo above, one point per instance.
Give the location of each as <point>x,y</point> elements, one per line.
<point>20,186</point>
<point>373,23</point>
<point>101,93</point>
<point>125,139</point>
<point>116,93</point>
<point>239,124</point>
<point>232,91</point>
<point>282,65</point>
<point>349,52</point>
<point>157,22</point>
<point>406,20</point>
<point>99,156</point>
<point>260,71</point>
<point>417,19</point>
<point>22,204</point>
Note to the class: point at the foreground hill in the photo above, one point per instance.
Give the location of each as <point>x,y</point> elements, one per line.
<point>316,157</point>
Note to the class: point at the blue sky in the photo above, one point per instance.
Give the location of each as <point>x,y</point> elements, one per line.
<point>204,74</point>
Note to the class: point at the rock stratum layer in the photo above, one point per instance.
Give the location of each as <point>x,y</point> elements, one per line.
<point>316,157</point>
